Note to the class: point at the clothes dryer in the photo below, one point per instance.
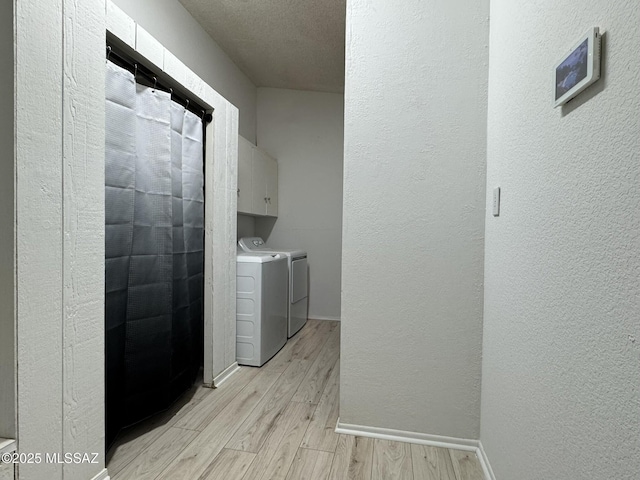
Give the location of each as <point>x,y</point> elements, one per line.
<point>298,306</point>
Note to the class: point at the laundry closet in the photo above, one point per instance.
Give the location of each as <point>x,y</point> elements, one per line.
<point>270,307</point>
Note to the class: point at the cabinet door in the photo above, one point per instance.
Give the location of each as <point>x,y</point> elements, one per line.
<point>271,178</point>
<point>245,192</point>
<point>259,187</point>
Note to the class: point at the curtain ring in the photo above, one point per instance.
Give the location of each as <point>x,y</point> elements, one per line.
<point>135,71</point>
<point>202,115</point>
<point>187,105</point>
<point>171,91</point>
<point>108,52</point>
<point>155,82</point>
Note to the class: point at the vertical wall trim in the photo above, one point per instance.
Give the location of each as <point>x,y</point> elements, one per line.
<point>83,143</point>
<point>7,233</point>
<point>38,137</point>
<point>63,52</point>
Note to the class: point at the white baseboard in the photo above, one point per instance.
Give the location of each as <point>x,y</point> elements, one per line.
<point>408,437</point>
<point>103,475</point>
<point>465,444</point>
<point>7,445</point>
<point>225,374</point>
<point>319,317</point>
<point>484,461</point>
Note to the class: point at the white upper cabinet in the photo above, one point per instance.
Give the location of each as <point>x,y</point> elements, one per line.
<point>271,179</point>
<point>257,181</point>
<point>259,176</point>
<point>245,192</point>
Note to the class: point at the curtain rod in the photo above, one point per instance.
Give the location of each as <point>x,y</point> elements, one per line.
<point>140,70</point>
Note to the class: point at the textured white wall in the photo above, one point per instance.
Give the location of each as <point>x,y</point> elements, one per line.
<point>561,381</point>
<point>170,23</point>
<point>414,185</point>
<point>304,131</point>
<point>246,226</point>
<point>7,231</point>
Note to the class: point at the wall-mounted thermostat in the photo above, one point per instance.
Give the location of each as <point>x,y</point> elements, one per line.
<point>578,69</point>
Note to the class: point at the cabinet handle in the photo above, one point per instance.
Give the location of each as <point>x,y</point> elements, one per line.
<point>238,192</point>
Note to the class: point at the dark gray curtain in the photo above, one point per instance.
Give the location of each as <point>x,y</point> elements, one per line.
<point>154,228</point>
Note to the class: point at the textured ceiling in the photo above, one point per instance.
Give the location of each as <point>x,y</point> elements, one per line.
<point>296,44</point>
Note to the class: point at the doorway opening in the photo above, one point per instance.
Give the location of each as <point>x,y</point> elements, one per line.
<point>154,243</point>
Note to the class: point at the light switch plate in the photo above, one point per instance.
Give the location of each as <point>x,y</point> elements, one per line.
<point>496,202</point>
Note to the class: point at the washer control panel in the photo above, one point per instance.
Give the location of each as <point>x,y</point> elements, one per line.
<point>251,243</point>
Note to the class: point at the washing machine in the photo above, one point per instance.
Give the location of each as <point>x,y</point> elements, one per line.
<point>262,292</point>
<point>298,305</point>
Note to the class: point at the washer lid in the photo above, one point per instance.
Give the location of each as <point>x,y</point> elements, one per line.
<point>259,257</point>
<point>256,244</point>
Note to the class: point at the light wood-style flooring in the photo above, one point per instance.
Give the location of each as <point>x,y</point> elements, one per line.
<point>276,422</point>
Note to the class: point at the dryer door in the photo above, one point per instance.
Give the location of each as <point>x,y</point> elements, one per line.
<point>298,279</point>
